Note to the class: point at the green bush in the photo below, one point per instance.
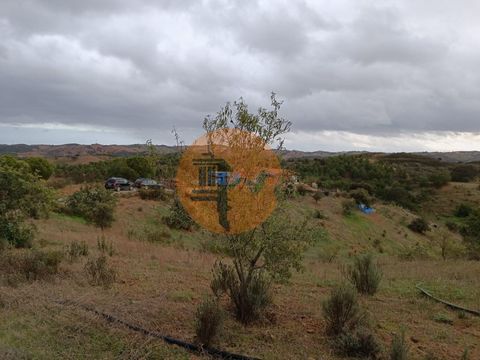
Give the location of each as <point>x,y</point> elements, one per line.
<point>178,218</point>
<point>94,204</point>
<point>398,347</point>
<point>152,194</point>
<point>463,211</point>
<point>364,274</point>
<point>359,343</point>
<point>347,207</point>
<point>208,321</point>
<point>341,310</point>
<point>249,299</point>
<point>40,166</point>
<point>464,173</point>
<point>419,225</point>
<point>99,272</point>
<point>361,196</point>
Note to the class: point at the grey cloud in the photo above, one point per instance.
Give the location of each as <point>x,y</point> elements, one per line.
<point>145,66</point>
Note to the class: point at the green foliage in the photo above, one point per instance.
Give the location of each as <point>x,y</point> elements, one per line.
<point>361,196</point>
<point>99,272</point>
<point>40,166</point>
<point>95,204</point>
<point>359,343</point>
<point>152,194</point>
<point>399,347</point>
<point>341,310</point>
<point>22,195</point>
<point>465,173</point>
<point>178,218</point>
<point>249,298</point>
<point>208,321</point>
<point>463,210</point>
<point>364,274</point>
<point>471,234</point>
<point>142,165</point>
<point>419,225</point>
<point>348,206</point>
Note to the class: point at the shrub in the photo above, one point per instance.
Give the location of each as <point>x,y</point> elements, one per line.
<point>30,264</point>
<point>94,204</point>
<point>208,321</point>
<point>317,195</point>
<point>178,218</point>
<point>99,272</point>
<point>248,298</point>
<point>317,214</point>
<point>364,274</point>
<point>347,207</point>
<point>152,194</point>
<point>464,173</point>
<point>419,225</point>
<point>361,196</point>
<point>341,310</point>
<point>15,232</point>
<point>399,347</point>
<point>359,342</point>
<point>104,246</point>
<point>463,211</point>
<point>40,166</point>
<point>77,249</point>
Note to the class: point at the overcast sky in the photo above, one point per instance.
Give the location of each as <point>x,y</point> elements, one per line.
<point>354,75</point>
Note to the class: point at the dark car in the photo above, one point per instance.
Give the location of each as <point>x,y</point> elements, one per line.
<point>147,183</point>
<point>117,184</point>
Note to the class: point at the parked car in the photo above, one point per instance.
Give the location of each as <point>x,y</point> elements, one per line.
<point>147,183</point>
<point>117,184</point>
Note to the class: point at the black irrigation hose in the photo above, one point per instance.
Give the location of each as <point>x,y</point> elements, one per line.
<point>449,304</point>
<point>188,346</point>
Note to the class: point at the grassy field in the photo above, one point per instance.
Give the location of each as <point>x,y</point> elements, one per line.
<point>162,275</point>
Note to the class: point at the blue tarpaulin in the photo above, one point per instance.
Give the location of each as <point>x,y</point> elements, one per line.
<point>365,209</point>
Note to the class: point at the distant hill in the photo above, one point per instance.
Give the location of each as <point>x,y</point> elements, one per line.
<point>102,151</point>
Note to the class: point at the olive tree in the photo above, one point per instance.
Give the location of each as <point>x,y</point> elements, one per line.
<point>271,251</point>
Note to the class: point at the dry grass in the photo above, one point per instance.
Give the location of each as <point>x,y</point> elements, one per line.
<point>160,287</point>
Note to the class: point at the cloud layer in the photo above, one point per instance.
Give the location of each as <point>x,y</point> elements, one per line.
<point>134,69</point>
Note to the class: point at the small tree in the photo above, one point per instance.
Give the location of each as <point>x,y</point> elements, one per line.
<point>40,166</point>
<point>271,251</point>
<point>317,195</point>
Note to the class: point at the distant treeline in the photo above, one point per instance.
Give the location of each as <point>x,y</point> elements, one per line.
<point>130,168</point>
<point>404,179</point>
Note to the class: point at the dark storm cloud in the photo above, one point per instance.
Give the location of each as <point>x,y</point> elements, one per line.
<point>144,66</point>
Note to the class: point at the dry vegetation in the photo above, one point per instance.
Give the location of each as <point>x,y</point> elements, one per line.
<point>160,281</point>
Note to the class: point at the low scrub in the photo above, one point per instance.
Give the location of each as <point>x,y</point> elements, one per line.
<point>419,225</point>
<point>208,321</point>
<point>178,218</point>
<point>364,274</point>
<point>99,272</point>
<point>358,343</point>
<point>152,194</point>
<point>29,265</point>
<point>76,249</point>
<point>348,206</point>
<point>249,299</point>
<point>398,347</point>
<point>105,247</point>
<point>341,310</point>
